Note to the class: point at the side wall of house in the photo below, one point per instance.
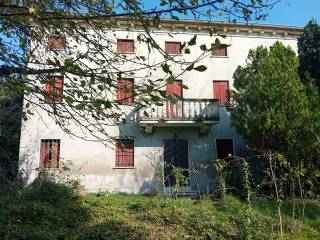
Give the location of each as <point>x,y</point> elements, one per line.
<point>94,164</point>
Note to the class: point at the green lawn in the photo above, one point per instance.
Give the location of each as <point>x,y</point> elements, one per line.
<point>48,211</point>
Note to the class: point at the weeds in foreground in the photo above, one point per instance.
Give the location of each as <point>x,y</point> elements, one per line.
<point>47,210</point>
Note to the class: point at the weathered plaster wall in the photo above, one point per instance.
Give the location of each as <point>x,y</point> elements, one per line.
<point>93,163</point>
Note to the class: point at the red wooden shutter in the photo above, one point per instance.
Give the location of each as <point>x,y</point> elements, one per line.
<point>55,42</point>
<point>49,153</point>
<point>43,154</point>
<point>173,90</point>
<point>220,91</point>
<point>177,88</point>
<point>172,47</point>
<point>220,52</point>
<point>55,152</point>
<point>125,46</point>
<point>125,153</point>
<point>58,88</point>
<point>130,92</point>
<point>54,89</point>
<point>47,89</point>
<point>125,91</point>
<point>120,94</point>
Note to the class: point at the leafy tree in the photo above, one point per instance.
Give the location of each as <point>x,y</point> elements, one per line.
<point>10,121</point>
<point>309,53</point>
<point>91,71</point>
<point>271,109</point>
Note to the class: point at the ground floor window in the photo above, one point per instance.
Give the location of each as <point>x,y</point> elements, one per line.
<point>49,153</point>
<point>225,148</point>
<point>125,153</point>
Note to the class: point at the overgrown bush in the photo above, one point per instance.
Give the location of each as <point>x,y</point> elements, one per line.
<point>43,210</point>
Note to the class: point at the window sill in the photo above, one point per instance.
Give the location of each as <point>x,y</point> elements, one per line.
<point>124,104</point>
<point>49,103</point>
<point>219,56</point>
<point>175,54</point>
<point>47,169</point>
<point>57,49</point>
<point>126,53</point>
<point>124,168</point>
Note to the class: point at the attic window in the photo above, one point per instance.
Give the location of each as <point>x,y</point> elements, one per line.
<point>173,47</point>
<point>56,43</point>
<point>220,52</point>
<point>125,46</point>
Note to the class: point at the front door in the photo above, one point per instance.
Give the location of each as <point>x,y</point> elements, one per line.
<point>175,156</point>
<point>174,91</point>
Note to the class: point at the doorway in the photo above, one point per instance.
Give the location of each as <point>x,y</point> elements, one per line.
<point>175,156</point>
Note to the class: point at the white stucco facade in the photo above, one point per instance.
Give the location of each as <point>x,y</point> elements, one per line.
<point>94,164</point>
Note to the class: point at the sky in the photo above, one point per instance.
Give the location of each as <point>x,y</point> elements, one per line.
<point>286,12</point>
<point>294,12</point>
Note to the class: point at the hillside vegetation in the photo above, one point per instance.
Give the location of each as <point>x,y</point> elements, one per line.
<point>47,210</point>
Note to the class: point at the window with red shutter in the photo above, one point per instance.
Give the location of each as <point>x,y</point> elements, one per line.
<point>220,91</point>
<point>125,153</point>
<point>174,90</point>
<point>125,46</point>
<point>53,89</point>
<point>221,52</point>
<point>173,47</point>
<point>56,43</point>
<point>49,153</point>
<point>125,91</point>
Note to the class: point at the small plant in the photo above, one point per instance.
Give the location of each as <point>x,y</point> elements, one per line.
<point>180,178</point>
<point>246,178</point>
<point>220,165</point>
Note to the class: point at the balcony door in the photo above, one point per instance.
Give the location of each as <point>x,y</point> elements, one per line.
<point>220,91</point>
<point>174,91</point>
<point>175,156</point>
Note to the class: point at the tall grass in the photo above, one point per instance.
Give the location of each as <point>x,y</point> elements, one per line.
<point>47,210</point>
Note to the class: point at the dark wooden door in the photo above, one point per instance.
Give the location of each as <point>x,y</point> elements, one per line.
<point>174,91</point>
<point>175,155</point>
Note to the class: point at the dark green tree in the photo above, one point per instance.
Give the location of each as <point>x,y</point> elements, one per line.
<point>10,124</point>
<point>271,109</point>
<point>309,53</point>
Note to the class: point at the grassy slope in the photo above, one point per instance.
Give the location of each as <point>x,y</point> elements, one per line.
<point>48,212</point>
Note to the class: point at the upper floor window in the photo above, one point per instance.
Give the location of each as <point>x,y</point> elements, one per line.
<point>125,153</point>
<point>173,47</point>
<point>220,91</point>
<point>53,89</point>
<point>125,46</point>
<point>125,91</point>
<point>174,89</point>
<point>56,43</point>
<point>220,52</point>
<point>49,153</point>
